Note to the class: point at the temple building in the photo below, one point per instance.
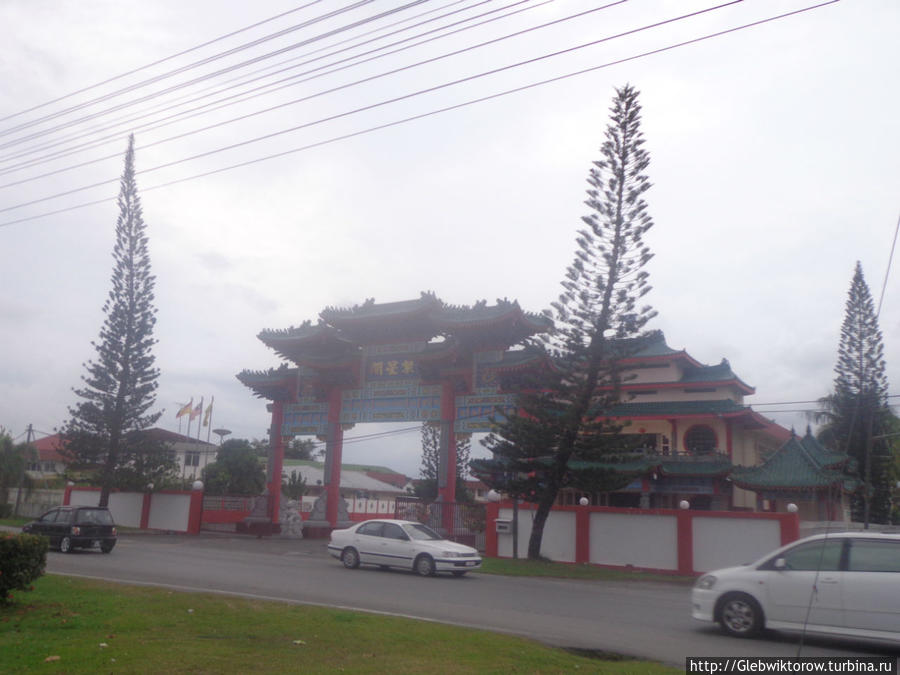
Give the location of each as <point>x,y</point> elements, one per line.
<point>805,473</point>
<point>457,366</point>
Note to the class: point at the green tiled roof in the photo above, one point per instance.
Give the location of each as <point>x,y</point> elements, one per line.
<point>662,408</point>
<point>703,465</point>
<point>656,346</point>
<point>798,464</point>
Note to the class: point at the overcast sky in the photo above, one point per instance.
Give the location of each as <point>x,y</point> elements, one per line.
<point>773,157</point>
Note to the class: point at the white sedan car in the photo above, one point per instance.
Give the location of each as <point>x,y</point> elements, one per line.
<point>401,543</point>
<point>845,583</point>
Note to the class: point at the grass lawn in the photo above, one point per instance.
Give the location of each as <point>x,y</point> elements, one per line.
<point>547,568</point>
<point>15,522</point>
<point>80,626</point>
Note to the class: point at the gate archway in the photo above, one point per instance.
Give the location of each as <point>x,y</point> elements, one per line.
<point>414,360</point>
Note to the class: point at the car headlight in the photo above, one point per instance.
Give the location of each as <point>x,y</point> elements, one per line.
<point>706,582</point>
<point>454,554</point>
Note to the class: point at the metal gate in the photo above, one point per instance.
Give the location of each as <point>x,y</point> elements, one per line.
<point>463,523</point>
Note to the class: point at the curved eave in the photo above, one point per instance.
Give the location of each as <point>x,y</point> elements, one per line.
<point>525,363</point>
<point>808,487</point>
<point>657,358</point>
<point>645,386</point>
<point>272,385</point>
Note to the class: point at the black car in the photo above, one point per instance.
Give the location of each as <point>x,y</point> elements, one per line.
<point>71,527</point>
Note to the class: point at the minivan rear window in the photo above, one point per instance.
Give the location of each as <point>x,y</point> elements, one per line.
<point>95,517</point>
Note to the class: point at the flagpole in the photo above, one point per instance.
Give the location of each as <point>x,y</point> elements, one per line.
<point>200,421</point>
<point>208,420</point>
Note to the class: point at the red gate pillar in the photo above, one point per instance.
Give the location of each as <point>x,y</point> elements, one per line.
<point>334,445</point>
<point>277,443</point>
<point>447,463</point>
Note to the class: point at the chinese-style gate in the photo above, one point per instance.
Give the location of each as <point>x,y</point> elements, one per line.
<point>416,360</point>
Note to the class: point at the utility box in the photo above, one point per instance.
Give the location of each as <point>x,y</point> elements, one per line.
<point>503,526</point>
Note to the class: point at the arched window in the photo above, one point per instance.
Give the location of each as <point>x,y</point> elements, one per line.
<point>700,440</point>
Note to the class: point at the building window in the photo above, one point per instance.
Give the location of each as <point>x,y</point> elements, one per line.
<point>191,458</point>
<point>700,440</point>
<point>664,444</point>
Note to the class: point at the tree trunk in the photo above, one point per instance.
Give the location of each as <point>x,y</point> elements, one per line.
<point>537,525</point>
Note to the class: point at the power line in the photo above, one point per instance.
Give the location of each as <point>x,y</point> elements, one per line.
<point>887,272</point>
<point>193,113</point>
<point>163,60</point>
<point>168,105</point>
<point>389,101</point>
<point>105,97</point>
<point>415,117</point>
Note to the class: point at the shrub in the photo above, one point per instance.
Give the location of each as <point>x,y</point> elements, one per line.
<point>23,558</point>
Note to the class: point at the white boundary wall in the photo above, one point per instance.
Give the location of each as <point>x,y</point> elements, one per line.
<point>650,540</point>
<point>169,512</point>
<point>642,541</point>
<point>559,535</point>
<point>725,542</point>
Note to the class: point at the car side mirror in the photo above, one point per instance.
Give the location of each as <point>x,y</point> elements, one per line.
<point>780,564</point>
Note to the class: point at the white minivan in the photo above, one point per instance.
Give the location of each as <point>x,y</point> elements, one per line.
<point>845,583</point>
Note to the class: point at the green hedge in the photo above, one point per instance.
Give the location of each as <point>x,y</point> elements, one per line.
<point>23,558</point>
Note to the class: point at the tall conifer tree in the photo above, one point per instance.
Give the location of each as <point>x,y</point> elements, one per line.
<point>564,437</point>
<point>102,433</point>
<point>857,409</point>
<point>427,486</point>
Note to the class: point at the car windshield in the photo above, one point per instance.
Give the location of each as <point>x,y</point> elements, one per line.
<point>95,517</point>
<point>421,532</point>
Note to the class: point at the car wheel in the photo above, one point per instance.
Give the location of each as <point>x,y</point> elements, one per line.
<point>350,558</point>
<point>65,545</point>
<point>107,546</point>
<point>424,565</point>
<point>459,574</point>
<point>740,615</point>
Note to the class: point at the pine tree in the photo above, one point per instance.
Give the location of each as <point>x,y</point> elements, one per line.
<point>562,437</point>
<point>427,487</point>
<point>857,409</point>
<point>102,435</point>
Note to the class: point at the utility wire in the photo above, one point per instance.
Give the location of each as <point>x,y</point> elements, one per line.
<point>887,272</point>
<point>396,99</point>
<point>292,82</point>
<point>196,64</point>
<point>427,114</point>
<point>227,69</point>
<point>163,60</point>
<point>172,104</point>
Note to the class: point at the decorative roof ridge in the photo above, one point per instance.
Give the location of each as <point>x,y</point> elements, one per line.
<point>283,369</point>
<point>426,300</point>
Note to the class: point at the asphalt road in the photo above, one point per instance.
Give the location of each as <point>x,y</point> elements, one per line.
<point>643,619</point>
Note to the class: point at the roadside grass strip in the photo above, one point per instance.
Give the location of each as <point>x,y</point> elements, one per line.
<point>547,568</point>
<point>68,625</point>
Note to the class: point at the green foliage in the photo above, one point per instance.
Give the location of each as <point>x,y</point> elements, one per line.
<point>856,415</point>
<point>303,448</point>
<point>23,558</point>
<point>294,486</point>
<point>14,458</point>
<point>120,385</point>
<point>426,488</point>
<point>236,471</point>
<point>562,436</point>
